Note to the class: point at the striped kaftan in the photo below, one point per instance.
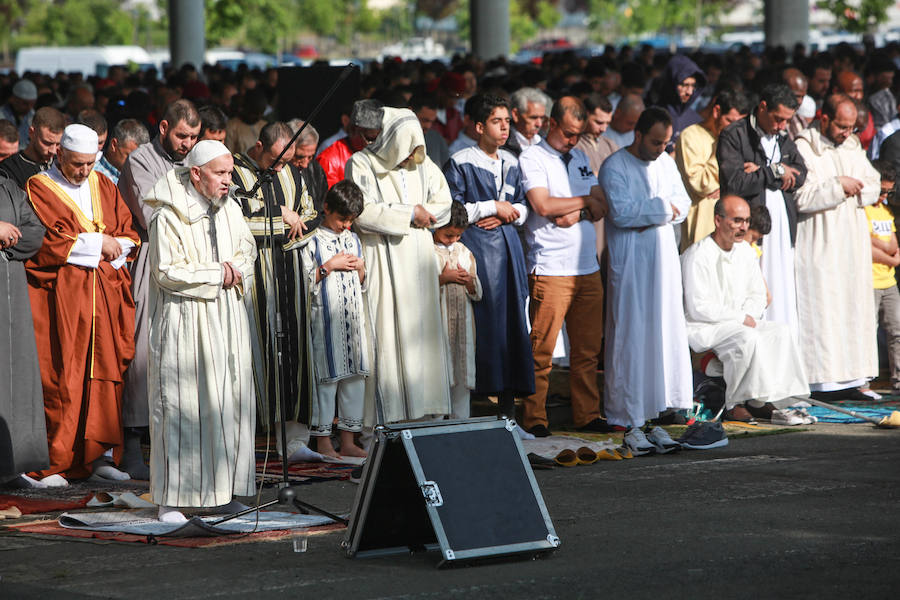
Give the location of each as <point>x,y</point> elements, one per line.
<point>288,188</point>
<point>202,409</point>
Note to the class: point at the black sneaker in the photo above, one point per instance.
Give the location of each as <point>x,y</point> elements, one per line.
<point>539,431</point>
<point>704,436</point>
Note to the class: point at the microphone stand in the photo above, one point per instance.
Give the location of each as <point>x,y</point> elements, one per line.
<point>274,354</point>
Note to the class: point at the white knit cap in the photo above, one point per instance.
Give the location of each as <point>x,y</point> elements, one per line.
<point>205,151</point>
<point>79,138</point>
<point>807,108</point>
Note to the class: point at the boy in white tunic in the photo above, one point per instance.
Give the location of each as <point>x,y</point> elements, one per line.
<point>459,287</point>
<point>200,382</point>
<point>336,273</point>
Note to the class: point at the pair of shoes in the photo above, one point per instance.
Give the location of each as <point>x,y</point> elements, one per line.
<point>637,442</point>
<point>786,417</point>
<point>539,431</point>
<point>669,416</point>
<point>763,412</point>
<point>737,413</point>
<point>663,442</point>
<point>597,426</point>
<point>704,436</point>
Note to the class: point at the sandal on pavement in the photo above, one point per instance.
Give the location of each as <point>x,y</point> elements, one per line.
<point>586,456</point>
<point>566,458</point>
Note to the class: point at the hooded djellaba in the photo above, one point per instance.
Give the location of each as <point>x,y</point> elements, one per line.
<point>677,101</point>
<point>398,181</point>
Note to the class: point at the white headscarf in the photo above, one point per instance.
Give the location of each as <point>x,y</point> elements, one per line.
<point>401,135</point>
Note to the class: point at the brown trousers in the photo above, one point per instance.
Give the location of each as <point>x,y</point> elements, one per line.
<point>577,301</point>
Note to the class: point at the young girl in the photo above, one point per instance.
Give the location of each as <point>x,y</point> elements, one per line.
<point>336,274</point>
<point>459,286</point>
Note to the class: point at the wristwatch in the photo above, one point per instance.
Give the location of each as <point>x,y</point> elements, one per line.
<point>778,170</point>
<point>323,272</point>
<point>584,215</point>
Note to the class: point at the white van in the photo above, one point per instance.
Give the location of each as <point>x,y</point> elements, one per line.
<point>88,60</point>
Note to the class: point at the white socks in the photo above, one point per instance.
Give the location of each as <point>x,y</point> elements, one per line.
<point>55,480</point>
<point>105,470</point>
<point>168,514</point>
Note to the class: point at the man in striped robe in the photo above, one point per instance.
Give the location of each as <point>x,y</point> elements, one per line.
<point>202,417</point>
<point>297,214</point>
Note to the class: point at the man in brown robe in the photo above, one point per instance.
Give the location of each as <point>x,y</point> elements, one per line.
<point>82,308</point>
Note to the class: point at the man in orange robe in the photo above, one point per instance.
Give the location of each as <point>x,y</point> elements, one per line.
<point>83,309</point>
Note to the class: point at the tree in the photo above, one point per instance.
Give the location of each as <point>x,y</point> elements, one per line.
<point>262,24</point>
<point>634,17</point>
<point>78,23</point>
<point>859,16</point>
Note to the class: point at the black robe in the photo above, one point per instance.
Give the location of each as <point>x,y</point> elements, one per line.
<point>23,432</point>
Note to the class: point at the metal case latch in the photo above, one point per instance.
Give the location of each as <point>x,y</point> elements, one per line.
<point>432,494</point>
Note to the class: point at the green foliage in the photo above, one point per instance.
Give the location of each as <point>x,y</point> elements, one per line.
<point>634,17</point>
<point>78,23</point>
<point>261,24</point>
<point>858,16</point>
<point>547,15</point>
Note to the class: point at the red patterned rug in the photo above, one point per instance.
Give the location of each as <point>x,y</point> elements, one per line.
<point>32,506</point>
<point>54,528</point>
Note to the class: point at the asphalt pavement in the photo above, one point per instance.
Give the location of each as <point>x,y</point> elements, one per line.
<point>811,514</point>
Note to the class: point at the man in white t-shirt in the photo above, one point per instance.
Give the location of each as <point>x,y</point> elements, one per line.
<point>564,275</point>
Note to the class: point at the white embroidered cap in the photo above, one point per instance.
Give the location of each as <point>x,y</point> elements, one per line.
<point>205,151</point>
<point>79,138</point>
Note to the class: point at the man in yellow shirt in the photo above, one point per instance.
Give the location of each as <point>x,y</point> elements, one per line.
<point>695,155</point>
<point>885,257</point>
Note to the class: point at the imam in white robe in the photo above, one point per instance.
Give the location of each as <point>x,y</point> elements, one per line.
<point>411,356</point>
<point>721,288</point>
<point>833,263</point>
<point>202,404</point>
<point>647,360</point>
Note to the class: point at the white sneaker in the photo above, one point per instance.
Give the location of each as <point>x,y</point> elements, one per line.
<point>637,442</point>
<point>871,394</point>
<point>787,417</point>
<point>662,441</point>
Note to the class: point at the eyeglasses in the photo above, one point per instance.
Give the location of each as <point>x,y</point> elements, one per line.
<point>887,194</point>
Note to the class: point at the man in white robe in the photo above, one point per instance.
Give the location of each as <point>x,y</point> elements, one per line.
<point>834,256</point>
<point>405,194</point>
<point>647,361</point>
<point>724,301</point>
<point>200,379</point>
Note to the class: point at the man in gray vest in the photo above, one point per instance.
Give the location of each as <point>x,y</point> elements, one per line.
<point>178,131</point>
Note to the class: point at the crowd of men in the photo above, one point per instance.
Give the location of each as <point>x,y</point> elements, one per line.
<point>621,211</point>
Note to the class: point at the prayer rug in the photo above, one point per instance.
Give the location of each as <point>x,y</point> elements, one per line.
<point>306,472</point>
<point>875,409</point>
<point>31,506</point>
<point>52,527</point>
